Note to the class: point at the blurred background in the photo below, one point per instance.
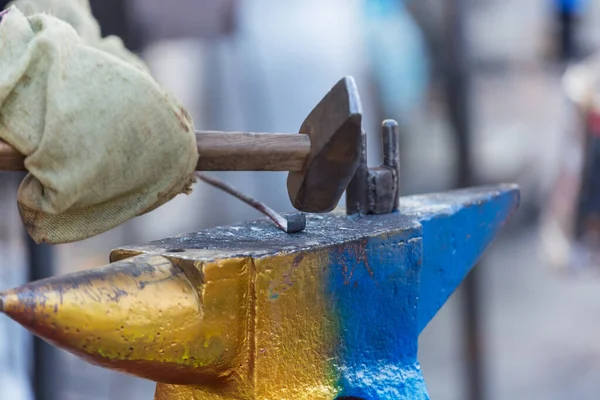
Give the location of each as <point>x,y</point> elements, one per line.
<point>477,88</point>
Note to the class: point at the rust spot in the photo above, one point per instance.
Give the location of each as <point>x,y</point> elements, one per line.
<point>359,252</point>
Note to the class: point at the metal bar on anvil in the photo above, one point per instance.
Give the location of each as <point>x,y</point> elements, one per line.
<point>250,312</point>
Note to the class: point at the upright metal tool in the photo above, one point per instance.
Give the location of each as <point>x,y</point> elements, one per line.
<point>376,190</point>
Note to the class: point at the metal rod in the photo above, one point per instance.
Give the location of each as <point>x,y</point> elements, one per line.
<point>391,150</point>
<point>391,154</point>
<point>290,224</point>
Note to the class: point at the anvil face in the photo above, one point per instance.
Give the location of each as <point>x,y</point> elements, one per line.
<point>254,313</point>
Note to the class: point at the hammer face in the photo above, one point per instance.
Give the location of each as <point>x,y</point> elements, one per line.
<point>334,128</point>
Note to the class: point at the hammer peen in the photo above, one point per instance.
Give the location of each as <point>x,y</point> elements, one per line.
<point>322,159</point>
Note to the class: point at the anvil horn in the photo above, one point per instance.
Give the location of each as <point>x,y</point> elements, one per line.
<point>141,316</point>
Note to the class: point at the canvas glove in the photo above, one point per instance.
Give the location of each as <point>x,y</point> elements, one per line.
<point>103,141</point>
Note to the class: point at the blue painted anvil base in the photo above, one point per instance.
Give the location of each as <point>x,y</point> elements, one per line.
<point>403,281</point>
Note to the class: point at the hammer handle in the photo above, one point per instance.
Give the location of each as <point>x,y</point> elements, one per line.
<point>222,151</point>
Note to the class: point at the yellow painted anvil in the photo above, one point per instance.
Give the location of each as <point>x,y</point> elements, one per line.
<point>250,312</point>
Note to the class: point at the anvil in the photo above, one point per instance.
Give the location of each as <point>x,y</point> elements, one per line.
<point>250,312</point>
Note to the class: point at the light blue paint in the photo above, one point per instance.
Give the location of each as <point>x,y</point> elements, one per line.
<point>384,289</point>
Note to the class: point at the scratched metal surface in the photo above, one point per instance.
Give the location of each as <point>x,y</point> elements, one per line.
<point>260,238</point>
<point>452,245</point>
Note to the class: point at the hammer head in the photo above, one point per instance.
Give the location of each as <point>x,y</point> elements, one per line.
<point>334,127</point>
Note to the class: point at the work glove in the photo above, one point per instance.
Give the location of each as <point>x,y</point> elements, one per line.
<point>103,141</point>
<point>78,14</point>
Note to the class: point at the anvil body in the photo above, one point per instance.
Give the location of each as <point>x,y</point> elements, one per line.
<point>249,312</point>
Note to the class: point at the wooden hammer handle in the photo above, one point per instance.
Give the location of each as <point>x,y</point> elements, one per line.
<point>222,151</point>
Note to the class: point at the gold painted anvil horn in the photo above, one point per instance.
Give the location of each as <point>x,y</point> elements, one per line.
<point>142,316</point>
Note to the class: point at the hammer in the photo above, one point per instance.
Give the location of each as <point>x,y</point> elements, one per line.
<point>322,159</point>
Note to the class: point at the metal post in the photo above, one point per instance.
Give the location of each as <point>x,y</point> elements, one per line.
<point>458,86</point>
<point>40,265</point>
<point>45,384</point>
